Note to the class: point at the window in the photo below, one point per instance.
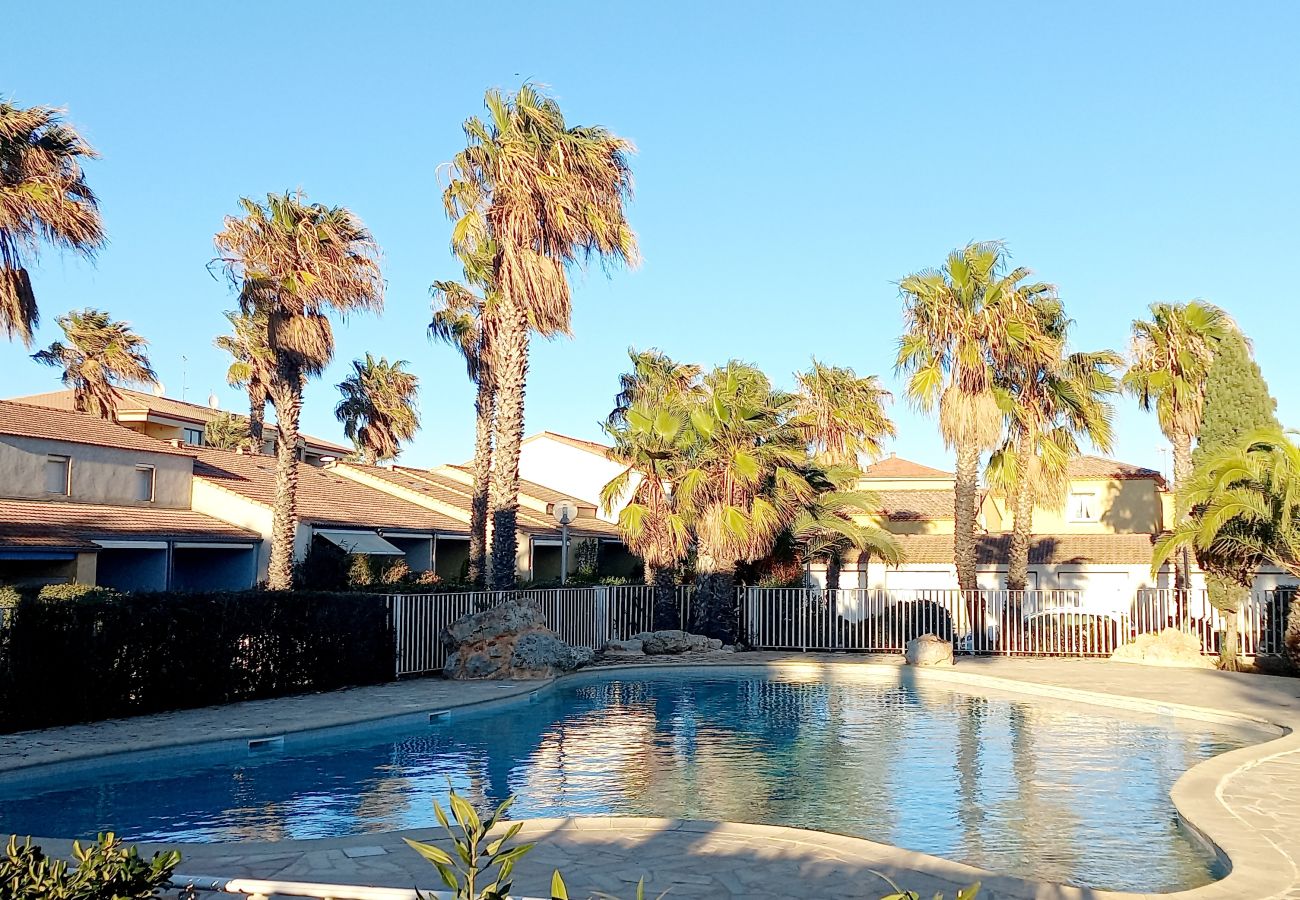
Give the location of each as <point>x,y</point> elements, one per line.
<point>194,437</point>
<point>57,475</point>
<point>1083,506</point>
<point>144,483</point>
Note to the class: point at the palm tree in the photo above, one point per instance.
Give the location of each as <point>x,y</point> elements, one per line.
<point>99,355</point>
<point>649,442</point>
<point>841,415</point>
<point>466,320</point>
<point>655,379</point>
<point>545,194</point>
<point>226,432</point>
<point>743,483</point>
<point>1248,498</point>
<point>1171,357</point>
<point>827,528</point>
<point>43,197</point>
<point>378,409</point>
<point>251,367</point>
<point>963,323</point>
<point>295,261</point>
<point>1052,400</point>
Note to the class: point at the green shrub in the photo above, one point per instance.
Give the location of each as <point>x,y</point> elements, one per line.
<point>122,655</point>
<point>105,870</point>
<point>75,592</point>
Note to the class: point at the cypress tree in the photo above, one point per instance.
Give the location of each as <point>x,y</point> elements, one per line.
<point>1237,402</point>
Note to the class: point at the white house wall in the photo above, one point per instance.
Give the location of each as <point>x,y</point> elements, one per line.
<point>230,507</point>
<point>570,470</point>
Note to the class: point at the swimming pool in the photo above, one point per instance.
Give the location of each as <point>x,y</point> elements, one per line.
<point>1062,793</point>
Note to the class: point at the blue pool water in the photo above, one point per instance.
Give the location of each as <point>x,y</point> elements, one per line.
<point>1072,794</point>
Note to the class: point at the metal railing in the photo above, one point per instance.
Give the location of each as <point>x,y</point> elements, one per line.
<point>581,616</point>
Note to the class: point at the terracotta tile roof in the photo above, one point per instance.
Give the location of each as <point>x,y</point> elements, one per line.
<point>324,497</point>
<point>24,420</point>
<point>1100,467</point>
<point>590,446</point>
<point>897,467</point>
<point>916,505</point>
<point>538,491</point>
<point>40,522</point>
<point>1046,549</point>
<point>140,402</point>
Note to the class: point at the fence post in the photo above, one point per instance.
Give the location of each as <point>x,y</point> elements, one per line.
<point>395,608</point>
<point>603,631</point>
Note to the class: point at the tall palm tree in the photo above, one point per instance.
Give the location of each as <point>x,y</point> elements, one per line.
<point>545,194</point>
<point>465,319</point>
<point>743,483</point>
<point>251,367</point>
<point>378,409</point>
<point>226,431</point>
<point>1171,356</point>
<point>1052,400</point>
<point>296,261</point>
<point>649,442</point>
<point>1249,502</point>
<point>99,354</point>
<point>963,323</point>
<point>841,415</point>
<point>43,197</point>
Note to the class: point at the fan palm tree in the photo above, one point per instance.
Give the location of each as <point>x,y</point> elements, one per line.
<point>828,527</point>
<point>226,432</point>
<point>43,197</point>
<point>251,367</point>
<point>295,261</point>
<point>465,319</point>
<point>743,483</point>
<point>655,379</point>
<point>963,324</point>
<point>1171,357</point>
<point>649,443</point>
<point>1052,400</point>
<point>378,409</point>
<point>545,194</point>
<point>99,354</point>
<point>1249,502</point>
<point>841,415</point>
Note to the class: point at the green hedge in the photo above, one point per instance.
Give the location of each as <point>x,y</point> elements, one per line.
<point>104,656</point>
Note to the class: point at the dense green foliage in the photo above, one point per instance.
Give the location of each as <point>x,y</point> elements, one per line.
<point>95,657</point>
<point>104,870</point>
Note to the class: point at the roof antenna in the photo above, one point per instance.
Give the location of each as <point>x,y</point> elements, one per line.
<point>185,360</point>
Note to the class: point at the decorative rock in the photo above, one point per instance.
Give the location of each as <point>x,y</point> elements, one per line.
<point>673,642</point>
<point>1169,647</point>
<point>508,641</point>
<point>631,647</point>
<point>928,650</point>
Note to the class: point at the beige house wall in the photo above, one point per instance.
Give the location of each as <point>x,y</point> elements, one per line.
<point>1128,506</point>
<point>215,501</point>
<point>84,568</point>
<point>98,474</point>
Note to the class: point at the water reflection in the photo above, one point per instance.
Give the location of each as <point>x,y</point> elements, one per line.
<point>1061,794</point>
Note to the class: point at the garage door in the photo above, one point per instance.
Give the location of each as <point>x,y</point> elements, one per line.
<point>1107,592</point>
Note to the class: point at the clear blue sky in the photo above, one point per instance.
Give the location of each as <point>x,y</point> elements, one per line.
<point>794,164</point>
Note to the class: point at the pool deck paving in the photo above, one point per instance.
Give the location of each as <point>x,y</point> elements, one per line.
<point>1247,802</point>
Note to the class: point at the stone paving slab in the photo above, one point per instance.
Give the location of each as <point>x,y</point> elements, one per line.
<point>1246,802</point>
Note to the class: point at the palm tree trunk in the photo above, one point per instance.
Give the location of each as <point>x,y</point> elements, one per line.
<point>1022,524</point>
<point>1227,595</point>
<point>714,612</point>
<point>834,566</point>
<point>967,490</point>
<point>510,370</point>
<point>484,420</point>
<point>256,416</point>
<point>666,614</point>
<point>287,397</point>
<point>1182,474</point>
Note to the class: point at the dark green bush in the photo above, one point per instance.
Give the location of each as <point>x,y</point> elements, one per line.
<point>104,657</point>
<point>105,870</point>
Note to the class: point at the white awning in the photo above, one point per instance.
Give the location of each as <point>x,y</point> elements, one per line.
<point>361,543</point>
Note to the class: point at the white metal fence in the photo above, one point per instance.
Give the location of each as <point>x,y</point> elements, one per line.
<point>1011,623</point>
<point>1007,623</point>
<point>581,616</point>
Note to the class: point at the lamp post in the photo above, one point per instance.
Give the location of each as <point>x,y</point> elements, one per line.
<point>564,512</point>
